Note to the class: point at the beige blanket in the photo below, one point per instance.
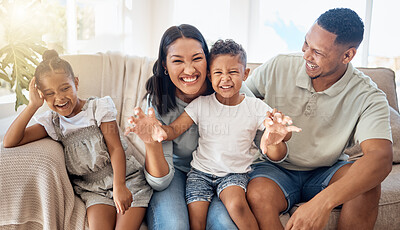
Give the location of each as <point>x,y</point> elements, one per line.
<point>35,189</point>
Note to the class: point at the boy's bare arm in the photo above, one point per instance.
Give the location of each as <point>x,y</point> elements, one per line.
<point>179,126</point>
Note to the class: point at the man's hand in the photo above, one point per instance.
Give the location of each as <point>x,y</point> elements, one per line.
<point>311,216</point>
<point>277,126</point>
<point>147,127</point>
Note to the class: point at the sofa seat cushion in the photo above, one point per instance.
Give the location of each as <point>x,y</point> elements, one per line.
<point>389,204</point>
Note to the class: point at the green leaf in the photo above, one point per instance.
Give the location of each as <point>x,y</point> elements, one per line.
<point>20,98</point>
<point>5,77</point>
<point>23,48</point>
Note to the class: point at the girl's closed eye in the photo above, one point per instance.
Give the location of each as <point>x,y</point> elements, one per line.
<point>65,88</point>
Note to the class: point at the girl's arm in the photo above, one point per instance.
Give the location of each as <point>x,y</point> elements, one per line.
<point>121,194</point>
<point>17,134</point>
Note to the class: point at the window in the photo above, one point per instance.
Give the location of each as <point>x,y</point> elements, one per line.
<point>264,28</point>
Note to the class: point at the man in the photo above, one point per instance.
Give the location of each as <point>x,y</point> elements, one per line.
<point>336,106</point>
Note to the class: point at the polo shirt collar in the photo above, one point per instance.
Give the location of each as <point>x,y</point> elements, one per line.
<point>304,81</point>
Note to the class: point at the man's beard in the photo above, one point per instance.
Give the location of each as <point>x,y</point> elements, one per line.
<point>312,78</point>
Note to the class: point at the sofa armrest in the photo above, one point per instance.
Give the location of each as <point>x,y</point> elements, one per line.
<point>35,188</point>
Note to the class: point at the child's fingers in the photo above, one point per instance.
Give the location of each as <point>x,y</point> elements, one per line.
<point>117,207</point>
<point>40,94</point>
<point>32,84</point>
<point>278,117</point>
<point>287,120</point>
<point>127,205</point>
<point>293,129</point>
<point>160,133</point>
<point>268,121</point>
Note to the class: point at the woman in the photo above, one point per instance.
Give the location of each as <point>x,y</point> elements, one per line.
<point>180,76</point>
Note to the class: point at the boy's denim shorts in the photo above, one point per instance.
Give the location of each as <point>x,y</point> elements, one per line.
<point>200,186</point>
<point>297,186</point>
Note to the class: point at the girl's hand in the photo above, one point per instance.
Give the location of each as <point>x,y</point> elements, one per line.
<point>122,198</point>
<point>147,127</point>
<point>36,98</point>
<point>277,126</point>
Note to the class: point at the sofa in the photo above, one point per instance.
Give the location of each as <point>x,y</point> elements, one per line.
<point>34,185</point>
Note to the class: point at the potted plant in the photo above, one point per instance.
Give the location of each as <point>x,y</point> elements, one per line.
<point>21,45</point>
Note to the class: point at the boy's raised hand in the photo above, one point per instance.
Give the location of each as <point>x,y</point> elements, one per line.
<point>36,98</point>
<point>147,127</point>
<point>277,126</point>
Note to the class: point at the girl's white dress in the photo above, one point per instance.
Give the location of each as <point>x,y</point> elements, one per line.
<point>86,156</point>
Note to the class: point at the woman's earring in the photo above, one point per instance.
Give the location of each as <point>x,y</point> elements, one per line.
<point>166,72</point>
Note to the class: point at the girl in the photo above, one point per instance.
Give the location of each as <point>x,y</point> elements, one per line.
<point>115,193</point>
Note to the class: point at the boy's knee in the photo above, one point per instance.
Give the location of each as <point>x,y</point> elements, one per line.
<point>236,206</point>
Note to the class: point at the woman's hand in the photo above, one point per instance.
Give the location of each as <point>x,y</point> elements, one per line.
<point>122,198</point>
<point>147,127</point>
<point>36,98</point>
<point>277,126</point>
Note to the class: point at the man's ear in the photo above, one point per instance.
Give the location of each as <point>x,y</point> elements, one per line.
<point>349,55</point>
<point>76,81</point>
<point>246,74</point>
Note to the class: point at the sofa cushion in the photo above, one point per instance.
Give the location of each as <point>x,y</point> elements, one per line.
<point>355,151</point>
<point>385,79</point>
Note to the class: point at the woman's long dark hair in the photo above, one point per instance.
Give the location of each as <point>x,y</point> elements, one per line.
<point>159,86</point>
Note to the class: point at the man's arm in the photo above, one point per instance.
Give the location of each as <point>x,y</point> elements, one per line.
<point>363,175</point>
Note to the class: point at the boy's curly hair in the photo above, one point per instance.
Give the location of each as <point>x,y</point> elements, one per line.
<point>230,47</point>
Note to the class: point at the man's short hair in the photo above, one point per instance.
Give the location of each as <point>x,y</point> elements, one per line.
<point>345,23</point>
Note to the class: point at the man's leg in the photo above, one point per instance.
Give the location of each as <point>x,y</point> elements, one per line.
<point>270,192</point>
<point>361,211</point>
<point>266,201</point>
